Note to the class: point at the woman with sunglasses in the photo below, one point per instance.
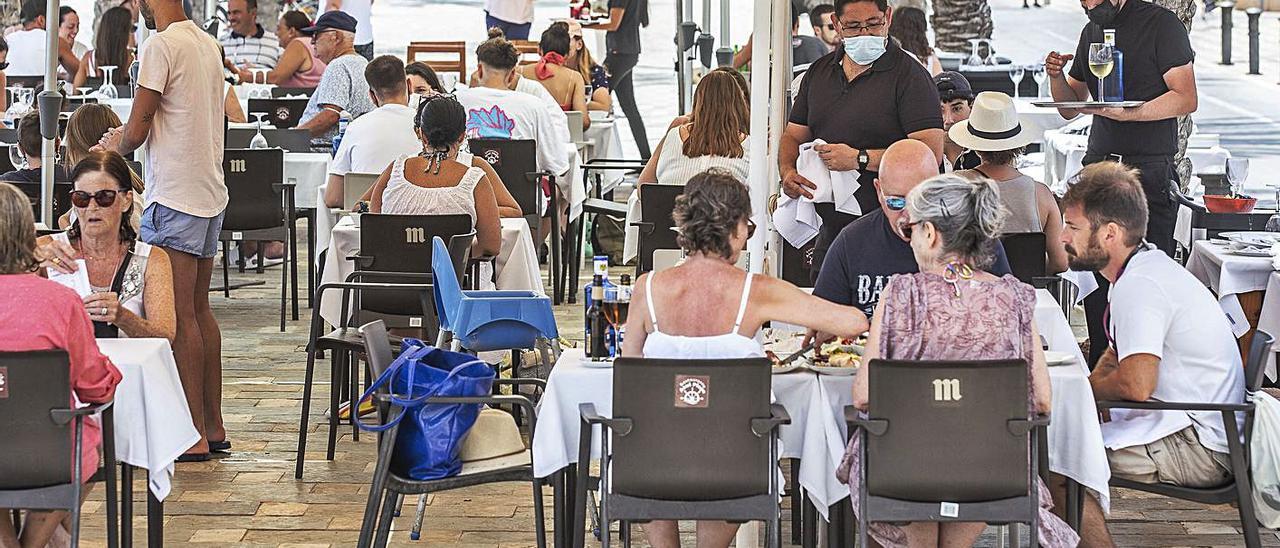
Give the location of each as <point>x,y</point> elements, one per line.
<point>708,308</point>
<point>953,309</point>
<point>131,281</point>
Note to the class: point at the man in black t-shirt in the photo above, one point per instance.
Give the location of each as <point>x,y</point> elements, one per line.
<point>871,249</point>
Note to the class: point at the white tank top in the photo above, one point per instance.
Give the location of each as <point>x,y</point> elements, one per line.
<point>405,198</point>
<point>729,345</point>
<point>674,168</point>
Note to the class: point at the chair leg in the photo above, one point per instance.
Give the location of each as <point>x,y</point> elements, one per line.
<point>226,269</point>
<point>311,257</point>
<point>1248,519</point>
<point>416,532</point>
<point>126,505</point>
<point>384,522</point>
<point>284,286</point>
<point>573,257</point>
<point>335,385</point>
<point>262,257</point>
<point>306,408</point>
<point>353,374</point>
<point>797,503</point>
<point>292,257</point>
<point>557,256</point>
<point>624,533</point>
<point>539,514</point>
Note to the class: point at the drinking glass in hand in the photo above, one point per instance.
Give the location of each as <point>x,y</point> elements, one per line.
<point>1100,62</point>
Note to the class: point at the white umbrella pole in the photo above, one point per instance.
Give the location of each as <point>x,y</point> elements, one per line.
<point>50,104</point>
<point>758,151</point>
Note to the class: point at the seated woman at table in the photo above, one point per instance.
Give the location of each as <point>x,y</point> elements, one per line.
<point>593,73</point>
<point>565,84</point>
<point>442,180</point>
<point>1031,206</point>
<point>708,308</point>
<point>132,282</point>
<point>298,67</point>
<point>715,138</point>
<point>39,314</point>
<point>738,78</point>
<point>113,46</point>
<point>954,310</point>
<point>423,79</point>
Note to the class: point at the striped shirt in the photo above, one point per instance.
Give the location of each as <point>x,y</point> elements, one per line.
<point>260,50</point>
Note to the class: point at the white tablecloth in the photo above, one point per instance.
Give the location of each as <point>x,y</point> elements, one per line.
<point>516,265</point>
<point>1064,156</point>
<point>1269,319</point>
<point>123,107</point>
<point>817,431</point>
<point>152,420</point>
<point>310,170</point>
<point>1228,275</point>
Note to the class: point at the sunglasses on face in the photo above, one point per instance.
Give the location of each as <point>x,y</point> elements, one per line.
<point>907,228</point>
<point>105,198</point>
<point>895,203</point>
<point>830,26</point>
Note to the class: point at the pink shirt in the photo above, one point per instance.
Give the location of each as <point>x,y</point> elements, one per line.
<point>308,78</point>
<point>42,315</point>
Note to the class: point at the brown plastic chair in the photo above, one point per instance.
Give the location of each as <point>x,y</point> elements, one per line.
<point>458,51</point>
<point>528,50</point>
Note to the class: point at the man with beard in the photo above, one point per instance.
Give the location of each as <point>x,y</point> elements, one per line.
<point>1169,341</point>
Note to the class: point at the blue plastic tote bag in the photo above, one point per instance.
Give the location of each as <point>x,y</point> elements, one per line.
<point>431,434</point>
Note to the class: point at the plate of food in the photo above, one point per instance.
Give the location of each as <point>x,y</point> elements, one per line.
<point>1253,239</point>
<point>839,356</point>
<point>1054,359</point>
<point>1088,104</point>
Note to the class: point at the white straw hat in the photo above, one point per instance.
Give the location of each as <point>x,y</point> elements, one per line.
<point>993,125</point>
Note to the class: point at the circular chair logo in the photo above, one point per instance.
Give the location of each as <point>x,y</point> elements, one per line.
<point>281,114</point>
<point>692,391</point>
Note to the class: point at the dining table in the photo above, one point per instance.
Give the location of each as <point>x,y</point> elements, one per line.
<point>1238,281</point>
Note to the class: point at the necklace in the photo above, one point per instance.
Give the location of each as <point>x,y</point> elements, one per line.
<point>953,272</point>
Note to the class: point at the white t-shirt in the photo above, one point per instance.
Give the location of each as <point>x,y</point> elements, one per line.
<point>27,53</point>
<point>1159,308</point>
<point>511,11</point>
<point>505,114</point>
<point>375,140</point>
<point>362,11</point>
<point>184,150</point>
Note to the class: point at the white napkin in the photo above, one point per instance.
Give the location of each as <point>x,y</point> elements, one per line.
<point>78,280</point>
<point>835,187</point>
<point>796,220</point>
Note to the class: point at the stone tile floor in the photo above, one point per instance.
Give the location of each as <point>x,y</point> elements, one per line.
<point>252,499</point>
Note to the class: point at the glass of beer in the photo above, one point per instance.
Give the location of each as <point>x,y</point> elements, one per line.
<point>1100,62</point>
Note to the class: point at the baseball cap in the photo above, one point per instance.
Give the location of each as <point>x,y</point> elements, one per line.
<point>953,85</point>
<point>332,20</point>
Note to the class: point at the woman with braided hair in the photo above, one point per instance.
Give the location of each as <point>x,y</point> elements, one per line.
<point>441,180</point>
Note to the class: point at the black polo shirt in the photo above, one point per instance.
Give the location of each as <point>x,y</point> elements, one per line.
<point>626,40</point>
<point>893,98</point>
<point>1153,41</point>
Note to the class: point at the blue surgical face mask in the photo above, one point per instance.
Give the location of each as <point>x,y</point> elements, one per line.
<point>864,50</point>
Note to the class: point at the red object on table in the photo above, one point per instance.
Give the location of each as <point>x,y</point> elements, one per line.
<point>1227,204</point>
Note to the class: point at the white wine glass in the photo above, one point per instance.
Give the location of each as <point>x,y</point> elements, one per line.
<point>259,140</point>
<point>108,89</point>
<point>1237,174</point>
<point>1100,63</point>
<point>974,59</point>
<point>1040,76</point>
<point>1016,74</point>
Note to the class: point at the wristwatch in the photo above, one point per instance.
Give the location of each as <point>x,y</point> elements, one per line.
<point>863,160</point>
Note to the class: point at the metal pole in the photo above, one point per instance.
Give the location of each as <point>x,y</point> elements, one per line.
<point>680,58</point>
<point>1255,17</point>
<point>724,55</point>
<point>758,144</point>
<point>1226,8</point>
<point>706,16</point>
<point>50,103</point>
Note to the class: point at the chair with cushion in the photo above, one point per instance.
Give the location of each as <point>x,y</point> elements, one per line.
<point>388,488</point>
<point>651,468</point>
<point>43,433</point>
<point>977,411</point>
<point>259,208</point>
<point>1239,491</point>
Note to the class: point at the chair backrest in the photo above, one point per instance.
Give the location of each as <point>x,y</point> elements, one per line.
<point>948,436</point>
<point>377,347</point>
<point>513,160</point>
<point>442,56</point>
<point>401,243</point>
<point>656,204</point>
<point>281,113</point>
<point>37,450</point>
<point>292,140</point>
<point>691,435</point>
<point>447,289</point>
<point>70,104</point>
<point>1255,365</point>
<point>354,185</point>
<point>8,135</point>
<point>61,197</point>
<point>574,119</point>
<point>255,198</point>
<point>528,50</point>
<point>278,91</point>
<point>1026,254</point>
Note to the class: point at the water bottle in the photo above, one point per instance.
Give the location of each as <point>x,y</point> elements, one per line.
<point>344,118</point>
<point>1113,85</point>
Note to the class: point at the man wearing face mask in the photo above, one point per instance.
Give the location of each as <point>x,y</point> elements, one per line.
<point>859,99</point>
<point>1157,69</point>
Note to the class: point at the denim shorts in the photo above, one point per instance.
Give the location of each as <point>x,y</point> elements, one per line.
<point>173,229</point>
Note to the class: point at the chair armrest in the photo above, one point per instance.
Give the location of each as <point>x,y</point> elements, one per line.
<point>1020,427</point>
<point>620,425</point>
<point>537,383</point>
<point>853,417</point>
<point>597,205</point>
<point>778,417</point>
<point>520,401</point>
<point>64,416</point>
<point>1175,406</point>
<point>358,274</point>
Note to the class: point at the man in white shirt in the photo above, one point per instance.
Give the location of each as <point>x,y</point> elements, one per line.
<point>27,47</point>
<point>1170,341</point>
<point>178,112</point>
<point>382,135</point>
<point>246,43</point>
<point>514,17</point>
<point>362,12</point>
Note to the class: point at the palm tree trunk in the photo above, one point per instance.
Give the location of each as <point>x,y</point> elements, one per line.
<point>1186,12</point>
<point>955,22</point>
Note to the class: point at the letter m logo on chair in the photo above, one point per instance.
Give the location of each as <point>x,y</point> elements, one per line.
<point>415,235</point>
<point>946,390</point>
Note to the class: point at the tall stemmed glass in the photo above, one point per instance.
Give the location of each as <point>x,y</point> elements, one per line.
<point>1040,77</point>
<point>974,59</point>
<point>1100,64</point>
<point>1016,74</point>
<point>108,89</point>
<point>14,112</point>
<point>1237,174</point>
<point>258,141</point>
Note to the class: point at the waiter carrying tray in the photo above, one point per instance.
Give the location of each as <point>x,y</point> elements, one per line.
<point>859,100</point>
<point>1157,69</point>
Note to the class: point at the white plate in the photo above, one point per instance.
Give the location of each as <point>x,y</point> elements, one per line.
<point>597,364</point>
<point>834,371</point>
<point>784,369</point>
<point>1256,239</point>
<point>1052,358</point>
<point>1251,252</point>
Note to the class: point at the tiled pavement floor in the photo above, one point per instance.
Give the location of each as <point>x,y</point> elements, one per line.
<point>251,498</point>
